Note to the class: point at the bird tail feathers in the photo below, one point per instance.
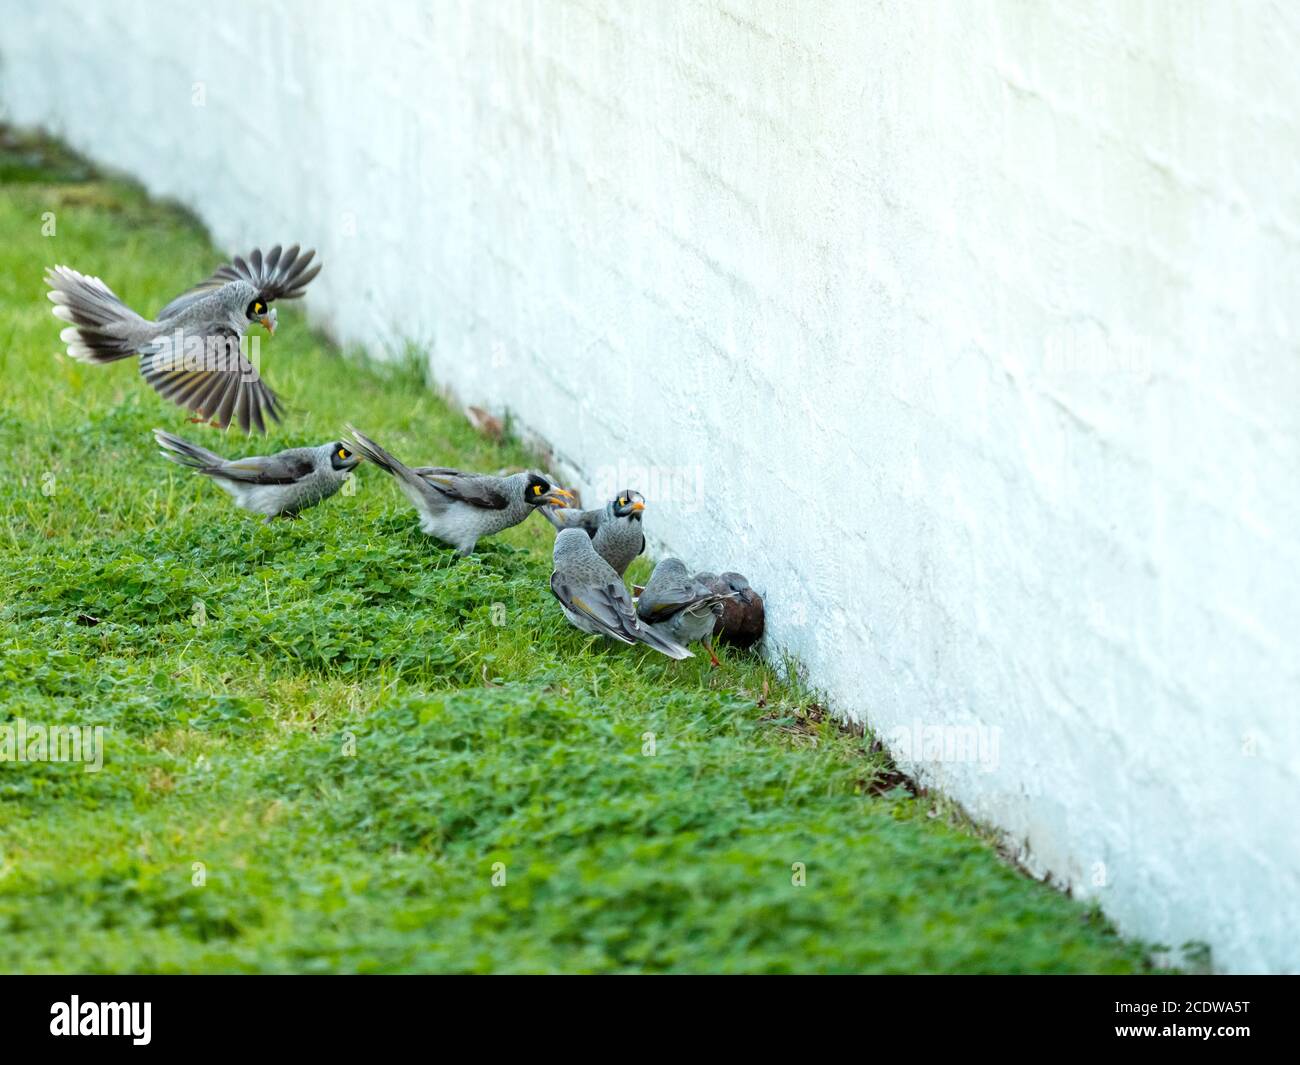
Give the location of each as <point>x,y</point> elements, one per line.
<point>101,327</point>
<point>381,458</point>
<point>183,453</point>
<point>671,648</point>
<point>552,514</point>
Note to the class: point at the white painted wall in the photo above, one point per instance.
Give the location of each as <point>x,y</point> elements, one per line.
<point>974,327</point>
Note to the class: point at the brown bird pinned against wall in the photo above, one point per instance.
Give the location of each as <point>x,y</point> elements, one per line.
<point>741,623</point>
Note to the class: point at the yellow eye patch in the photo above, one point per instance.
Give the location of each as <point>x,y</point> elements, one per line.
<point>537,489</point>
<point>343,452</point>
<point>622,502</point>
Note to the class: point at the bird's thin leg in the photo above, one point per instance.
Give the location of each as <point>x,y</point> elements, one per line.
<point>713,659</point>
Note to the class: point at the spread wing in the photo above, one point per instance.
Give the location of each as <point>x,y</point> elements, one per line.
<point>288,467</point>
<point>213,379</point>
<point>607,605</point>
<point>189,296</point>
<point>278,275</point>
<point>475,489</point>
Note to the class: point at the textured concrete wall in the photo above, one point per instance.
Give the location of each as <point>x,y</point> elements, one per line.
<point>969,330</point>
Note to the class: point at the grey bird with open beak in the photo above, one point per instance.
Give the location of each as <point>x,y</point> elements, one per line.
<point>680,607</point>
<point>461,508</point>
<point>278,485</point>
<point>594,599</point>
<point>192,353</point>
<point>615,529</point>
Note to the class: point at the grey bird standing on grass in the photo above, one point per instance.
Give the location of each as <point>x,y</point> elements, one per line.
<point>191,354</point>
<point>615,529</point>
<point>594,598</point>
<point>462,508</point>
<point>278,485</point>
<point>681,607</point>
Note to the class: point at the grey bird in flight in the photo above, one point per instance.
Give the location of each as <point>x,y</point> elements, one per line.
<point>615,529</point>
<point>461,508</point>
<point>192,353</point>
<point>681,607</point>
<point>278,485</point>
<point>594,599</point>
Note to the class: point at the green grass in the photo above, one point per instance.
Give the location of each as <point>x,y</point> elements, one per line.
<point>349,742</point>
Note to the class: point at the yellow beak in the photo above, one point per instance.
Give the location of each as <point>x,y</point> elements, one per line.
<point>552,498</point>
